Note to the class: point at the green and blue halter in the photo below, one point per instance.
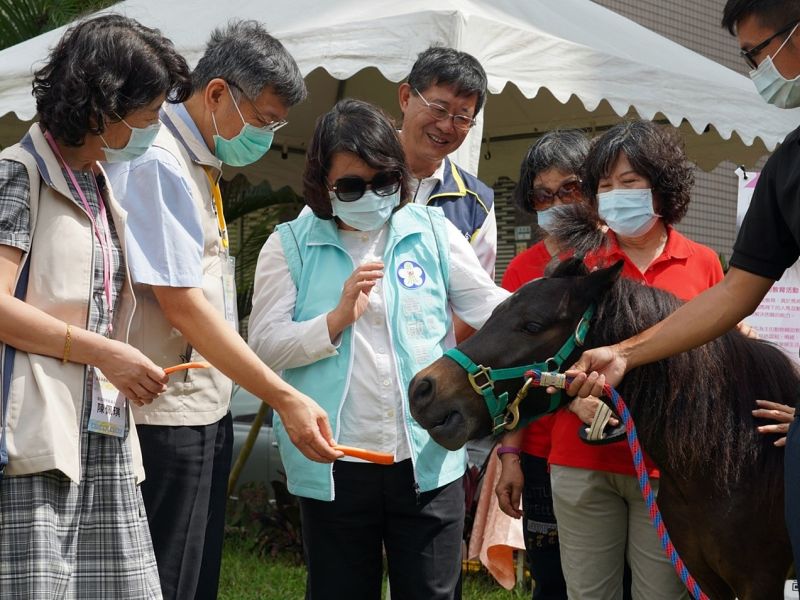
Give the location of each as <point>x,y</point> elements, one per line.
<point>482,379</point>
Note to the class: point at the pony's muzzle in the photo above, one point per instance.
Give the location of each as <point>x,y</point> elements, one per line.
<point>422,392</point>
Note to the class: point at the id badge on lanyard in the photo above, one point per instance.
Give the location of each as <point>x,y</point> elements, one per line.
<point>229,290</point>
<point>228,262</point>
<point>109,414</point>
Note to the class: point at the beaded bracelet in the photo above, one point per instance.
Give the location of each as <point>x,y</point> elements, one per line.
<point>507,450</point>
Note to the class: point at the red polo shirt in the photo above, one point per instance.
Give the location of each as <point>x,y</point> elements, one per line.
<point>523,268</point>
<point>685,268</point>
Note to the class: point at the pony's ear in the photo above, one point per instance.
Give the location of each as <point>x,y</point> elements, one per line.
<point>596,283</point>
<point>571,267</point>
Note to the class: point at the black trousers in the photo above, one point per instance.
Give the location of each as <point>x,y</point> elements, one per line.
<point>377,506</point>
<point>185,490</point>
<point>540,530</point>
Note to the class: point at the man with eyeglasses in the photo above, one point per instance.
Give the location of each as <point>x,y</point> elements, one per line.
<point>182,271</point>
<point>443,95</point>
<point>768,242</point>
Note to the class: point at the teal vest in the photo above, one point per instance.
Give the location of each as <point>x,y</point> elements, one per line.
<point>415,287</point>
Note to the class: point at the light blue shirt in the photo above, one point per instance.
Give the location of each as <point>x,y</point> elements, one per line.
<point>164,231</point>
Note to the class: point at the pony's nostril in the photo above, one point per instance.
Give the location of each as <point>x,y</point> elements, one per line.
<point>423,389</point>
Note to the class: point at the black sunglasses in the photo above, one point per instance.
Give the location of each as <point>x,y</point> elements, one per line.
<point>567,192</point>
<point>350,189</point>
<point>749,55</point>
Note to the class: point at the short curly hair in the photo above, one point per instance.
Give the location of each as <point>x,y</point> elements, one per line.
<point>103,69</point>
<point>654,152</point>
<point>359,128</point>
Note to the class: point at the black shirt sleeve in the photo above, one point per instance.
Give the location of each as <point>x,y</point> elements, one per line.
<point>769,238</point>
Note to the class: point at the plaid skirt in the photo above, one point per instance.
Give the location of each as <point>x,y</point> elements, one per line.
<point>65,541</point>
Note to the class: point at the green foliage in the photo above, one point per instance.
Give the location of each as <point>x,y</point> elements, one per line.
<point>263,553</point>
<point>248,576</point>
<point>271,527</point>
<point>252,212</point>
<point>24,19</point>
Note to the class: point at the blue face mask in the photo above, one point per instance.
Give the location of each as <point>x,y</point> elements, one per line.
<point>141,139</point>
<point>546,218</point>
<point>774,87</point>
<point>247,146</point>
<point>627,212</point>
<point>368,213</point>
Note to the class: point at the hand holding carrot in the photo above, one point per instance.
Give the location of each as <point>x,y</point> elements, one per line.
<point>381,458</point>
<point>187,365</point>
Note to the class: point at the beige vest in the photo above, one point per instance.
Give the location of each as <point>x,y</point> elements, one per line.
<point>196,396</point>
<point>46,395</point>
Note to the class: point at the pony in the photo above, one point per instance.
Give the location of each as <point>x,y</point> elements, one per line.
<point>721,487</point>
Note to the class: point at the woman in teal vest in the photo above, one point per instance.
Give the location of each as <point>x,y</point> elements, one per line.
<point>350,302</point>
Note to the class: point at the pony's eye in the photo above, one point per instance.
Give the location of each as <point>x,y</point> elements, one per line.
<point>533,327</point>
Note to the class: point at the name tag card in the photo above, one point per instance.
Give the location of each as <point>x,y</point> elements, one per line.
<point>109,408</point>
<point>229,291</point>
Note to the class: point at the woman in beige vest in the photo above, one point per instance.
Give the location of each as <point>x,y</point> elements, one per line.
<point>72,523</point>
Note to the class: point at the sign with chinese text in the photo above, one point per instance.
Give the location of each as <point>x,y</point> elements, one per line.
<point>777,318</point>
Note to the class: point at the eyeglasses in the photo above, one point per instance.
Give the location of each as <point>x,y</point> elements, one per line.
<point>460,122</point>
<point>568,192</point>
<point>749,55</point>
<point>351,188</point>
<point>268,125</point>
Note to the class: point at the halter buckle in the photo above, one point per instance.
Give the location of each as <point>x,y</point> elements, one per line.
<point>512,410</point>
<point>480,387</point>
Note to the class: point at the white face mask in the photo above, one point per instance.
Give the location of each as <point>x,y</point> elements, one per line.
<point>627,212</point>
<point>546,219</point>
<point>774,87</point>
<point>368,213</point>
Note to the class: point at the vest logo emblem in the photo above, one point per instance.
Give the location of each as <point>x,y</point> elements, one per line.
<point>411,275</point>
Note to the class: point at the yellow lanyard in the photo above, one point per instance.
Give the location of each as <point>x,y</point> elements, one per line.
<point>217,194</point>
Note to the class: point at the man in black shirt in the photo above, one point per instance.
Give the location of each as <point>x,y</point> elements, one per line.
<point>769,239</point>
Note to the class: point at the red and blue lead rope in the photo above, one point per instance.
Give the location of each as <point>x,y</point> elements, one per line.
<point>644,485</point>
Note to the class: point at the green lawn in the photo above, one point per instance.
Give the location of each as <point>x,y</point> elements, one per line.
<point>246,576</point>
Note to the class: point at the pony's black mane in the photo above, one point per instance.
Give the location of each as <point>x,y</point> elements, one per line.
<point>693,410</point>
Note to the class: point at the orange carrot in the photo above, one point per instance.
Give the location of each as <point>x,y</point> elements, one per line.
<point>381,458</point>
<point>188,365</point>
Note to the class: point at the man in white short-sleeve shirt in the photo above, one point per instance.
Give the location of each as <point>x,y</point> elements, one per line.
<point>182,272</point>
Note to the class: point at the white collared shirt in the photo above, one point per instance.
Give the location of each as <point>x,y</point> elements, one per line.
<point>373,413</point>
<point>421,188</point>
<point>484,243</point>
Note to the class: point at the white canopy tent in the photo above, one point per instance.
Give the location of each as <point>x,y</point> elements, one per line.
<point>570,63</point>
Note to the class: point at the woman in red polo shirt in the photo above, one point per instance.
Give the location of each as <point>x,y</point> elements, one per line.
<point>637,176</point>
<point>548,178</point>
